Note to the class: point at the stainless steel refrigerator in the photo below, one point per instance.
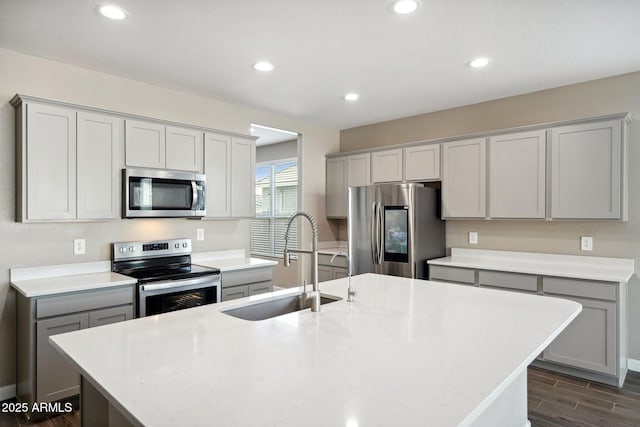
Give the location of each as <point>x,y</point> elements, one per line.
<point>394,228</point>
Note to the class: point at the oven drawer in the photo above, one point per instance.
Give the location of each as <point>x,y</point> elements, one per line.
<point>84,301</point>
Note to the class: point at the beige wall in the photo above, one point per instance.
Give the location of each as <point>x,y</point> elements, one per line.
<point>24,245</point>
<point>599,97</point>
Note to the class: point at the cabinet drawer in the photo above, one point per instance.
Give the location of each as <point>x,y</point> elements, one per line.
<point>260,288</point>
<point>451,274</point>
<point>501,279</point>
<point>580,288</point>
<point>245,277</point>
<point>234,292</point>
<point>83,301</point>
<point>339,261</point>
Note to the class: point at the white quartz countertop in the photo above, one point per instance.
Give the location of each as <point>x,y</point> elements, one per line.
<point>406,352</point>
<point>74,283</point>
<point>574,266</point>
<point>63,278</point>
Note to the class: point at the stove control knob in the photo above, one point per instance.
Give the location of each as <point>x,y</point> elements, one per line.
<point>123,249</point>
<point>130,248</point>
<point>177,245</point>
<point>184,245</point>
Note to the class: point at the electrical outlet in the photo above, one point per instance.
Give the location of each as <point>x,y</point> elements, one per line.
<point>473,237</point>
<point>586,243</point>
<point>79,246</point>
<point>200,234</point>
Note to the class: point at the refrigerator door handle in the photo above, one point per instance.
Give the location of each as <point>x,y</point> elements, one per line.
<point>374,222</point>
<point>378,235</point>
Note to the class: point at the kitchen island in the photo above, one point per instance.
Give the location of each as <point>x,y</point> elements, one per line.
<point>406,352</point>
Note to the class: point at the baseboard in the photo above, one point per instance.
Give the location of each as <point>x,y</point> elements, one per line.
<point>7,392</point>
<point>633,365</point>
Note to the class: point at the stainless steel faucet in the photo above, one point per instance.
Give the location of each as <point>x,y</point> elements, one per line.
<point>350,291</point>
<point>314,295</point>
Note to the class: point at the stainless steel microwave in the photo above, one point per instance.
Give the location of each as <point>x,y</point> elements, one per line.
<point>158,193</point>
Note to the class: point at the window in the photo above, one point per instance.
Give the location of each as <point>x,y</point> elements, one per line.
<point>276,201</point>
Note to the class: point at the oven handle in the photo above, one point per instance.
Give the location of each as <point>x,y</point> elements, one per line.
<point>213,279</point>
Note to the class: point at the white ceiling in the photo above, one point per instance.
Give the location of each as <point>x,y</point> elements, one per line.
<point>400,65</point>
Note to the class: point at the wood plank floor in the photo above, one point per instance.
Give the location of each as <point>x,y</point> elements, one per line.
<point>554,401</point>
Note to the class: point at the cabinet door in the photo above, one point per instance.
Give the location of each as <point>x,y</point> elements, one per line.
<point>100,160</point>
<point>586,171</point>
<point>260,288</point>
<point>359,170</point>
<point>145,144</point>
<point>243,177</point>
<point>51,162</point>
<point>517,175</point>
<point>325,273</point>
<point>234,292</point>
<point>336,187</point>
<point>589,342</point>
<point>217,167</point>
<point>110,315</point>
<point>386,166</point>
<point>55,377</point>
<point>183,149</point>
<point>422,163</point>
<point>463,179</point>
<point>339,273</point>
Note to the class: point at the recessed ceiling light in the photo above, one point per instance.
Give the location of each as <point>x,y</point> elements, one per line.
<point>480,62</point>
<point>112,11</point>
<point>404,7</point>
<point>351,96</point>
<point>263,66</point>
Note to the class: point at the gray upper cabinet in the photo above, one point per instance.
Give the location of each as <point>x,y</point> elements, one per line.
<point>100,146</point>
<point>230,166</point>
<point>145,144</point>
<point>154,145</point>
<point>386,166</point>
<point>68,164</point>
<point>463,179</point>
<point>183,148</point>
<point>358,170</point>
<point>517,175</point>
<point>46,162</point>
<point>243,177</point>
<point>422,163</point>
<point>217,167</point>
<point>588,170</point>
<point>336,180</point>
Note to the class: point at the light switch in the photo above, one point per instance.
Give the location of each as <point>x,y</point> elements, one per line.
<point>473,237</point>
<point>200,234</point>
<point>586,243</point>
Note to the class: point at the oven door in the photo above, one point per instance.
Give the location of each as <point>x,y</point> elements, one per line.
<point>171,295</point>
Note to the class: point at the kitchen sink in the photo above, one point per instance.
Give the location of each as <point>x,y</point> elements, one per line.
<point>276,307</point>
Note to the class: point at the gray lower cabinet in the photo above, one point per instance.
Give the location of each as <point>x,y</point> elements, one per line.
<point>56,378</point>
<point>42,374</point>
<point>244,283</point>
<point>465,276</point>
<point>593,346</point>
<point>591,341</point>
<point>509,281</point>
<point>328,270</point>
